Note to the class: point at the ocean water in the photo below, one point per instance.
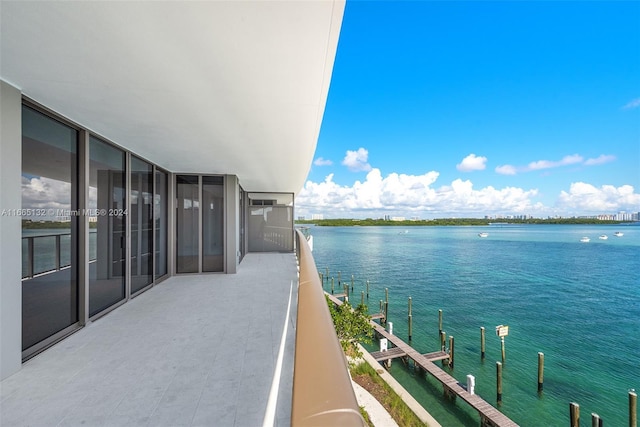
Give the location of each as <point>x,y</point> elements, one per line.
<point>578,303</point>
<point>44,248</point>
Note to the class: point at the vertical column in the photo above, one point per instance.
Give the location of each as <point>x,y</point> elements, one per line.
<point>231,224</point>
<point>83,228</point>
<point>10,230</point>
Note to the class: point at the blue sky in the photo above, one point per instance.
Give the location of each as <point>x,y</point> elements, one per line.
<point>445,108</point>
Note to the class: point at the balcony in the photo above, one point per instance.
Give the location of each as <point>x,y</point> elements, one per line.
<point>196,350</point>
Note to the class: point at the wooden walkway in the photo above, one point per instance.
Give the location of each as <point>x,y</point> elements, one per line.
<point>489,415</point>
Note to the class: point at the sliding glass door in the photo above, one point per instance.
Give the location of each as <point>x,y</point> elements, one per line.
<point>141,208</point>
<point>107,231</point>
<point>199,223</point>
<point>49,229</point>
<point>160,213</point>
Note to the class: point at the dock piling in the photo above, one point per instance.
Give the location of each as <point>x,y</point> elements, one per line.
<point>410,320</point>
<point>596,421</point>
<point>362,298</point>
<point>367,289</point>
<point>499,382</point>
<point>352,283</point>
<point>482,343</point>
<point>439,321</point>
<point>332,286</point>
<point>633,408</point>
<point>540,371</point>
<point>471,384</point>
<point>574,414</point>
<point>451,351</point>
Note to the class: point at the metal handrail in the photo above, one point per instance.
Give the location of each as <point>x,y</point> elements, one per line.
<point>322,390</point>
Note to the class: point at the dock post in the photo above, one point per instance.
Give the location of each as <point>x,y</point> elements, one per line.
<point>390,330</point>
<point>471,384</point>
<point>321,279</point>
<point>327,273</point>
<point>339,278</point>
<point>540,371</point>
<point>439,321</point>
<point>574,414</point>
<point>633,408</point>
<point>410,321</point>
<point>503,351</point>
<point>367,289</point>
<point>332,286</point>
<point>499,382</point>
<point>386,311</point>
<point>362,298</point>
<point>352,283</point>
<point>386,304</point>
<point>451,351</point>
<point>443,345</point>
<point>596,421</point>
<point>482,343</point>
<point>346,290</point>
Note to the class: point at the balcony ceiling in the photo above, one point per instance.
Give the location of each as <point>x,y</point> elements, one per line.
<point>216,87</point>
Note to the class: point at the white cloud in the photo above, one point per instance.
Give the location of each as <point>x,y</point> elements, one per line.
<point>634,103</point>
<point>45,193</point>
<point>550,164</point>
<point>585,197</point>
<point>601,159</point>
<point>472,163</point>
<point>506,170</point>
<point>547,164</point>
<point>411,194</point>
<point>322,162</point>
<point>356,161</point>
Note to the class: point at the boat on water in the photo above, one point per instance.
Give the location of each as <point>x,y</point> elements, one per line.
<point>603,237</point>
<point>618,234</point>
<point>585,240</point>
<point>483,234</point>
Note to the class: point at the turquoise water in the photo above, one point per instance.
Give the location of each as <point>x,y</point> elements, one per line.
<point>578,303</point>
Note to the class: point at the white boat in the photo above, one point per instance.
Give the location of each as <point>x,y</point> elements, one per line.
<point>585,240</point>
<point>618,234</point>
<point>483,234</point>
<point>603,237</point>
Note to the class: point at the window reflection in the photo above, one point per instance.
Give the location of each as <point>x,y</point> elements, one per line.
<point>107,232</point>
<point>49,228</point>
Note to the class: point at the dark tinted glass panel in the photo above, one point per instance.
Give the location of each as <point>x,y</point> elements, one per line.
<point>49,227</point>
<point>141,224</point>
<point>212,223</point>
<point>107,232</point>
<point>187,224</point>
<point>160,219</point>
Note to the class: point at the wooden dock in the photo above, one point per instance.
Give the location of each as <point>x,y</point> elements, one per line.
<point>489,415</point>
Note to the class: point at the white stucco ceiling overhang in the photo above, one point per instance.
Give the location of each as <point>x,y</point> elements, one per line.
<point>234,87</point>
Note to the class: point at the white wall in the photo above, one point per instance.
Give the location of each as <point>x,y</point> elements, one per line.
<point>10,230</point>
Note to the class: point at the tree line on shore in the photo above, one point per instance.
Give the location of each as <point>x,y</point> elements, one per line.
<point>349,222</point>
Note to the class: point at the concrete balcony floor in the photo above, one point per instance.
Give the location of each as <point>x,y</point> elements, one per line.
<point>196,350</point>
